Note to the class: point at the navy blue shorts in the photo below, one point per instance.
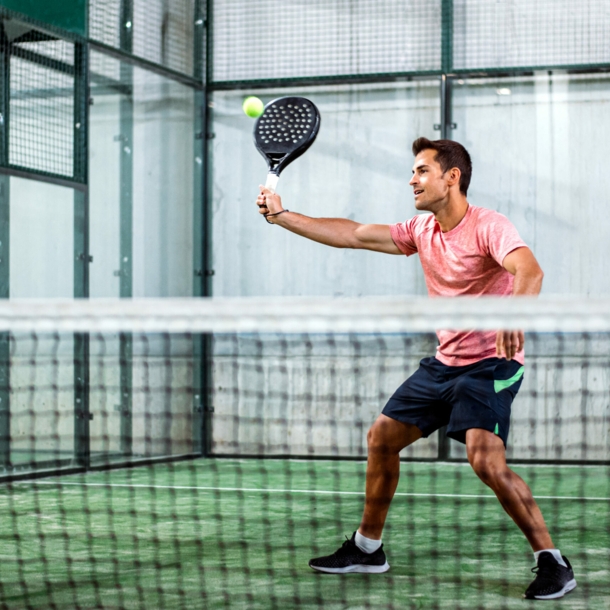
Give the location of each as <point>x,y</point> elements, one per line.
<point>478,395</point>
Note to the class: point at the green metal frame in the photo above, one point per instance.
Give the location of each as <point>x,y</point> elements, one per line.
<point>202,264</point>
<point>5,338</point>
<point>446,128</point>
<point>126,110</point>
<point>208,347</point>
<point>198,234</point>
<point>82,258</point>
<point>5,368</point>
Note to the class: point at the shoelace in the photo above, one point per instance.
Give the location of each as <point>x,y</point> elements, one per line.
<point>546,571</point>
<point>343,548</point>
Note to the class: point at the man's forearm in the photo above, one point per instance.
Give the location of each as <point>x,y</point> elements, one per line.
<point>336,232</point>
<point>527,282</point>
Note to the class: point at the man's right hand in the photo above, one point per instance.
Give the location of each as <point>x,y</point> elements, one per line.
<point>268,202</point>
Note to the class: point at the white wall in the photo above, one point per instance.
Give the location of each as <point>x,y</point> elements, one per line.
<point>358,168</point>
<point>539,156</point>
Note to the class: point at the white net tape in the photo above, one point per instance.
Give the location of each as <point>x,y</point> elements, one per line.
<point>286,314</point>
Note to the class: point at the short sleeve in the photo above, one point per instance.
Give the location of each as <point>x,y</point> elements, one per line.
<point>403,235</point>
<point>502,238</point>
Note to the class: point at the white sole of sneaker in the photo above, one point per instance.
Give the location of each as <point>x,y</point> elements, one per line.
<point>355,569</point>
<point>570,586</point>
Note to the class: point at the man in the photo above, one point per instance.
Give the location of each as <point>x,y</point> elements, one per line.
<point>470,384</point>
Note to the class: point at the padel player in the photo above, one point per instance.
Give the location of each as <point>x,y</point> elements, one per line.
<point>470,383</point>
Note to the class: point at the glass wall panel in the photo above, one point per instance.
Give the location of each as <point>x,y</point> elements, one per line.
<point>163,165</point>
<point>358,168</point>
<point>143,127</point>
<point>41,368</point>
<point>141,237</point>
<point>104,192</point>
<point>538,147</point>
<point>42,240</point>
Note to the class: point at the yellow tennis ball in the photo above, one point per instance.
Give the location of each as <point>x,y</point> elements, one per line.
<point>253,107</point>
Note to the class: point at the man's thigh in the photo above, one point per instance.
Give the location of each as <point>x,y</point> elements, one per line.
<point>418,400</point>
<point>482,397</point>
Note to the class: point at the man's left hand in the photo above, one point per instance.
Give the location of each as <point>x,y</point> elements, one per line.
<point>508,343</point>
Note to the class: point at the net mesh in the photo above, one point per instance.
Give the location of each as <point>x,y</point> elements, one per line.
<point>490,34</point>
<point>162,31</point>
<point>40,118</point>
<point>324,38</point>
<point>89,388</point>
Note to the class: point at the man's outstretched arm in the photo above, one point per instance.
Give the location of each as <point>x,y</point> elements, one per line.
<point>335,232</point>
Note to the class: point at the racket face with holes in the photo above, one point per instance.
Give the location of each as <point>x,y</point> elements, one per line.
<point>285,130</point>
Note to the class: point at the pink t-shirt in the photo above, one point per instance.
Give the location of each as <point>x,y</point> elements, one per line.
<point>464,261</point>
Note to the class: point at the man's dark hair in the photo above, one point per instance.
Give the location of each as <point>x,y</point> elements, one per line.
<point>449,154</point>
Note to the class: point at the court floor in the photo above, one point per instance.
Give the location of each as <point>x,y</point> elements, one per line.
<point>228,533</point>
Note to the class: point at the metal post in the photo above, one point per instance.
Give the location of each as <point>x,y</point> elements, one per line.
<point>5,362</point>
<point>205,285</point>
<point>126,226</point>
<point>82,258</point>
<point>82,414</point>
<point>5,181</point>
<point>198,227</point>
<point>5,94</point>
<point>447,126</point>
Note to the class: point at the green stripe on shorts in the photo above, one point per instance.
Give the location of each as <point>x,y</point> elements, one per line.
<point>502,384</point>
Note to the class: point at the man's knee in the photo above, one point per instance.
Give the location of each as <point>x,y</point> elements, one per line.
<point>487,456</point>
<point>490,471</point>
<point>389,436</point>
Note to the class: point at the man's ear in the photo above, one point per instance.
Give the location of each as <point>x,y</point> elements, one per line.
<point>454,176</point>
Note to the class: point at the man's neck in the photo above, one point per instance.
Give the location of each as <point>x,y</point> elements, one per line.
<point>452,214</point>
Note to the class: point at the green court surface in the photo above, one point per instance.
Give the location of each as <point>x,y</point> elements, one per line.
<point>220,533</point>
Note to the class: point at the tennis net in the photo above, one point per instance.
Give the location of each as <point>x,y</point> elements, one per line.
<point>168,453</point>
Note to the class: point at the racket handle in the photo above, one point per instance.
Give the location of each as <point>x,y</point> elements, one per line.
<point>271,183</point>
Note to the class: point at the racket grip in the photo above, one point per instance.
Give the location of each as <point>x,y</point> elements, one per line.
<point>271,183</point>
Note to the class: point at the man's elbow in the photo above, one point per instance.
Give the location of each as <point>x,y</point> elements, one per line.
<point>534,274</point>
<point>534,278</point>
<point>356,239</point>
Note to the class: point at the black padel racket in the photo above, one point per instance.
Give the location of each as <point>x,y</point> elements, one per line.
<point>285,130</point>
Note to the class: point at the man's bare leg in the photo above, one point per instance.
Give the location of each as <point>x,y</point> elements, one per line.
<point>487,456</point>
<point>386,438</point>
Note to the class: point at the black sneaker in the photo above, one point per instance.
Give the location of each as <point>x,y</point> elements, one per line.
<point>349,558</point>
<point>552,579</point>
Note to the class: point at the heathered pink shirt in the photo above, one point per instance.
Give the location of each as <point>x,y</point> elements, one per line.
<point>464,261</point>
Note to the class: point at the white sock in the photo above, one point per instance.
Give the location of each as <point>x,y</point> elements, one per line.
<point>555,553</point>
<point>367,545</point>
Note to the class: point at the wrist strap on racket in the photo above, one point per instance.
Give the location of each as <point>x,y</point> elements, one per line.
<point>276,214</point>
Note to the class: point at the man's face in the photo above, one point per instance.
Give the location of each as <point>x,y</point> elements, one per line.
<point>430,187</point>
